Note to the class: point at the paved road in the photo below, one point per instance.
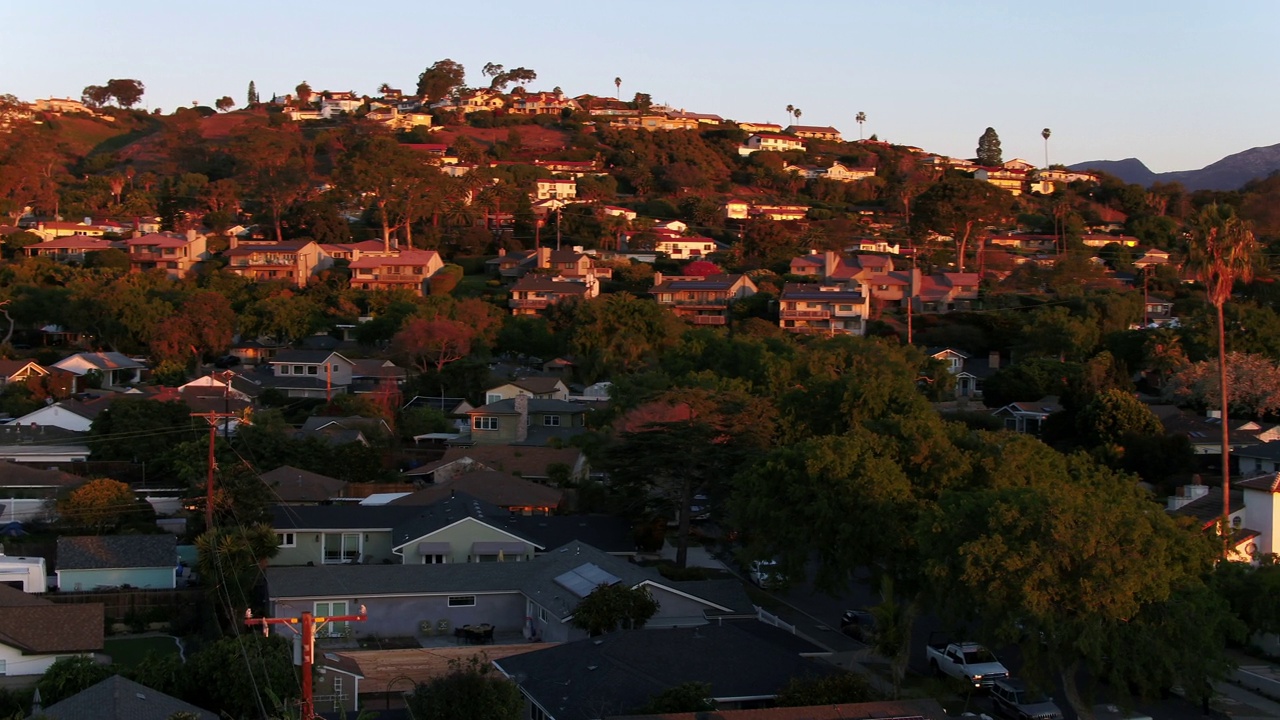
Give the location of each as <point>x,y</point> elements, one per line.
<point>817,615</point>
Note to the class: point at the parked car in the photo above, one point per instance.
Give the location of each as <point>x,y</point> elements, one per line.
<point>966,661</point>
<point>859,625</point>
<point>1013,699</point>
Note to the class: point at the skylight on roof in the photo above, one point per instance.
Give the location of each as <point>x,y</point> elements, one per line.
<point>585,578</point>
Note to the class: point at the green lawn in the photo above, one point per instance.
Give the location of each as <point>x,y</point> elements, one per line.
<point>129,652</point>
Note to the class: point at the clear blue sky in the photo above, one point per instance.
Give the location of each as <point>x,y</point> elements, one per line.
<point>1177,84</point>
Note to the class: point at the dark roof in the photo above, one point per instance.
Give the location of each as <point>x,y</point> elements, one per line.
<point>340,517</point>
<point>544,283</point>
<point>522,461</point>
<point>539,385</point>
<point>490,486</point>
<point>619,672</point>
<point>15,475</point>
<point>1264,451</point>
<point>725,593</point>
<point>897,709</point>
<point>1267,483</point>
<point>1208,509</point>
<point>815,291</point>
<point>303,357</point>
<point>317,423</point>
<point>94,552</point>
<point>442,514</point>
<point>36,626</point>
<point>536,405</point>
<point>606,532</point>
<point>118,698</point>
<point>294,485</point>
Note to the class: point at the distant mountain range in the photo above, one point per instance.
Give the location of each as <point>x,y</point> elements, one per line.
<point>1229,173</point>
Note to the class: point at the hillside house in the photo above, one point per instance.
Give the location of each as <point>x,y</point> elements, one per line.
<point>116,369</point>
<point>771,142</point>
<point>54,229</point>
<point>309,373</point>
<point>523,420</point>
<point>815,132</point>
<point>71,248</point>
<point>686,248</point>
<point>1011,181</point>
<point>35,632</point>
<point>176,254</point>
<point>533,294</point>
<point>292,262</point>
<point>541,388</point>
<point>970,372</point>
<point>91,562</point>
<point>823,308</point>
<point>409,270</point>
<point>1028,417</point>
<point>751,127</point>
<point>573,168</point>
<point>701,300</point>
<point>556,189</point>
<point>541,103</point>
<point>837,172</point>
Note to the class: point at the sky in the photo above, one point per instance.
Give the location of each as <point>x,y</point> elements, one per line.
<point>1177,84</point>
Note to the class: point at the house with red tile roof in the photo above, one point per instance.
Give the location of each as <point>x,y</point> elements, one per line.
<point>72,248</point>
<point>410,270</point>
<point>773,142</point>
<point>702,300</point>
<point>837,171</point>
<point>1012,181</point>
<point>176,254</point>
<point>760,127</point>
<point>556,189</point>
<point>52,229</point>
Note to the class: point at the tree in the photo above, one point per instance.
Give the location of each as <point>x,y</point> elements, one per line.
<point>689,697</point>
<point>1045,133</point>
<point>70,675</point>
<point>989,149</point>
<point>388,177</point>
<point>95,96</point>
<point>957,206</point>
<point>861,119</point>
<point>1112,416</point>
<point>432,343</point>
<point>614,607</point>
<point>224,103</point>
<point>235,674</point>
<point>101,504</point>
<point>1101,599</point>
<point>702,268</point>
<point>619,332</point>
<point>471,690</point>
<point>617,88</point>
<point>840,688</point>
<point>230,560</point>
<point>274,166</point>
<point>1222,251</point>
<point>126,92</point>
<point>440,80</point>
<point>1254,383</point>
<point>252,98</point>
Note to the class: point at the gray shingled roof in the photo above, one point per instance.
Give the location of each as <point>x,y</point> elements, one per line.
<point>619,672</point>
<point>117,551</point>
<point>340,517</point>
<point>118,698</point>
<point>1265,451</point>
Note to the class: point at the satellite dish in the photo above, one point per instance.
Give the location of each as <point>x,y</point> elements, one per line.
<point>88,221</point>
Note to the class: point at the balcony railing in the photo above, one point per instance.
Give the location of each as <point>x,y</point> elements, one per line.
<point>701,302</point>
<point>535,303</point>
<point>805,314</point>
<point>708,319</point>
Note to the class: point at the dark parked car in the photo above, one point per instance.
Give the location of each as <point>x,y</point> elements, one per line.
<point>859,625</point>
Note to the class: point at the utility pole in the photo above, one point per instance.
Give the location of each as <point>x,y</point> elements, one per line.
<point>213,418</point>
<point>309,624</point>
<point>557,228</point>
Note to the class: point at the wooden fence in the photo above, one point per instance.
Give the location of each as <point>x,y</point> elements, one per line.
<point>121,604</point>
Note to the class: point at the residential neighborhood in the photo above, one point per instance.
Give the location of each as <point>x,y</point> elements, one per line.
<point>613,408</point>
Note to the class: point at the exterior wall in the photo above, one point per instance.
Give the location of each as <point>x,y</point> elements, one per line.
<point>1255,466</point>
<point>72,580</point>
<point>508,391</point>
<point>340,374</point>
<point>566,419</point>
<point>508,426</point>
<point>402,616</point>
<point>17,664</point>
<point>1262,513</point>
<point>309,547</point>
<point>460,537</point>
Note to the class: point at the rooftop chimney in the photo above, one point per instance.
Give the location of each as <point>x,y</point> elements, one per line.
<point>993,360</point>
<point>521,403</point>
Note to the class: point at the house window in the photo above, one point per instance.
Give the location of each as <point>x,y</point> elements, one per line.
<point>433,559</point>
<point>297,369</point>
<point>335,367</point>
<point>484,423</point>
<point>492,398</point>
<point>331,609</point>
<point>313,370</point>
<point>551,420</point>
<point>337,684</point>
<point>536,713</point>
<point>284,369</point>
<point>462,601</point>
<point>542,614</point>
<point>342,547</point>
<point>286,540</point>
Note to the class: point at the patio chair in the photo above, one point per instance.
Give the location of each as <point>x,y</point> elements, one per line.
<point>443,627</point>
<point>486,636</point>
<point>427,628</point>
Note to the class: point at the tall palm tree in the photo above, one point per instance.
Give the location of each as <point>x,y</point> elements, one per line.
<point>1223,250</point>
<point>860,118</point>
<point>797,113</point>
<point>1045,133</point>
<point>791,110</point>
<point>617,88</point>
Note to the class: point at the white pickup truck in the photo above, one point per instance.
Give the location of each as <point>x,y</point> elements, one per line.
<point>966,661</point>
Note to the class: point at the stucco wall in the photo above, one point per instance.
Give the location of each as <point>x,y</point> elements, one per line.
<point>460,538</point>
<point>401,616</point>
<point>15,663</point>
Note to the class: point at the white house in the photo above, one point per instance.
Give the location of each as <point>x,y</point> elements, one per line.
<point>116,369</point>
<point>68,415</point>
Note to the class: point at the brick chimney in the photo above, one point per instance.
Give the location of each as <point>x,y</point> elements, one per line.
<point>993,360</point>
<point>522,423</point>
<point>657,279</point>
<point>544,257</point>
<point>829,261</point>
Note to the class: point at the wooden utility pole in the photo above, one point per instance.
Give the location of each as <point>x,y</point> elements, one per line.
<point>309,624</point>
<point>213,418</point>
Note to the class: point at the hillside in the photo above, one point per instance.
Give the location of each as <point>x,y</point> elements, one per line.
<point>1229,173</point>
